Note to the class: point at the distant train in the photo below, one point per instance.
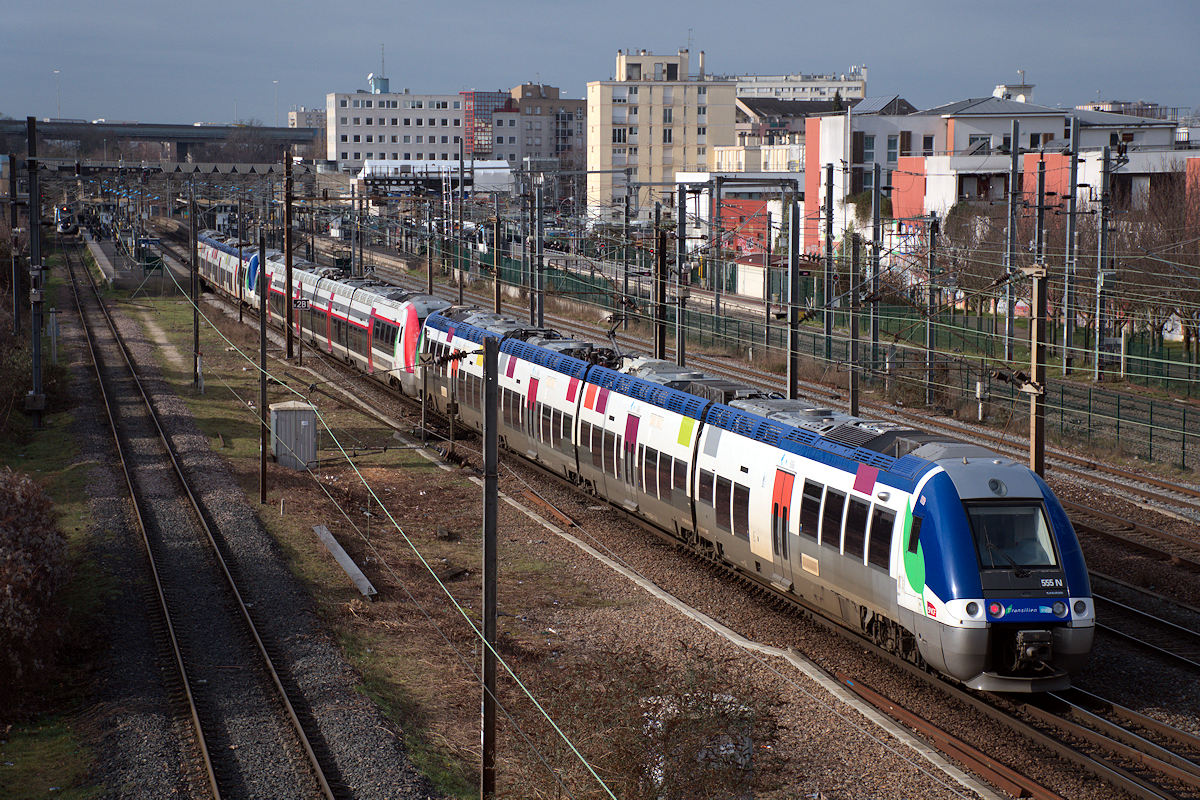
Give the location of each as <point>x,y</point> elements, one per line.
<point>937,549</point>
<point>64,220</point>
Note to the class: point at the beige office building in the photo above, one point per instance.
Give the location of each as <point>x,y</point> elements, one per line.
<point>655,118</point>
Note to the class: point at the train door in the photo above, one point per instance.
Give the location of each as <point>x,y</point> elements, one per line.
<point>781,508</point>
<point>532,419</point>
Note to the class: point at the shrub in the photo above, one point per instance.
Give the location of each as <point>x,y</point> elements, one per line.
<point>33,565</point>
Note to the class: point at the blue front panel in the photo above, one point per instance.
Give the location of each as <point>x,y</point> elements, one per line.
<point>951,568</point>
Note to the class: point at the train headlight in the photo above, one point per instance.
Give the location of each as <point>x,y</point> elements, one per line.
<point>1060,609</point>
<point>1080,607</point>
<point>972,609</point>
<point>996,609</point>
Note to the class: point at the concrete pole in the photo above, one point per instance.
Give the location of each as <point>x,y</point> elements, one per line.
<point>35,401</point>
<point>540,254</point>
<point>497,254</point>
<point>1037,337</point>
<point>491,438</point>
<point>680,257</point>
<point>793,300</point>
<point>195,286</point>
<point>263,432</point>
<point>855,285</point>
<point>1072,248</point>
<point>931,309</point>
<point>660,284</point>
<point>828,298</point>
<point>876,252</point>
<point>1101,259</point>
<point>767,289</point>
<point>12,227</point>
<point>625,266</point>
<point>289,312</point>
<point>718,263</point>
<point>1010,249</point>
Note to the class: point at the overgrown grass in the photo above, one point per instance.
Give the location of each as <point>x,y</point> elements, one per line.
<point>46,759</point>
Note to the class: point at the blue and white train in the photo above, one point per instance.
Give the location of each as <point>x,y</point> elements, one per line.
<point>938,549</point>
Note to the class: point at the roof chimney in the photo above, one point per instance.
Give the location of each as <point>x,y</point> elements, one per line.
<point>700,66</point>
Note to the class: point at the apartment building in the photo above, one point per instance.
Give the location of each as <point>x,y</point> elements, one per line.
<point>652,119</point>
<point>541,126</point>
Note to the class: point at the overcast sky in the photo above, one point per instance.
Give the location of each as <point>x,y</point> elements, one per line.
<point>216,61</point>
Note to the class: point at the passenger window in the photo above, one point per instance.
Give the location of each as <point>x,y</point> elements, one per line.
<point>741,511</point>
<point>831,523</point>
<point>857,514</point>
<point>879,551</point>
<point>664,477</point>
<point>651,471</point>
<point>723,501</point>
<point>706,488</point>
<point>914,536</point>
<point>681,475</point>
<point>810,509</point>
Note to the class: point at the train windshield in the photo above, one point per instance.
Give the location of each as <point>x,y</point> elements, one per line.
<point>1011,535</point>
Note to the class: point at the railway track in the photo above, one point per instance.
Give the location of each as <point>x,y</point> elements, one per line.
<point>1114,753</point>
<point>251,734</point>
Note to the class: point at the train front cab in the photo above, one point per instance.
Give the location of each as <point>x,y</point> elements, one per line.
<point>993,583</point>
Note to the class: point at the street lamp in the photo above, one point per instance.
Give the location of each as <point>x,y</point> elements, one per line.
<point>276,103</point>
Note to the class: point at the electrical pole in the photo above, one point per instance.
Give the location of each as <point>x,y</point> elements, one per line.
<point>491,347</point>
<point>496,257</point>
<point>625,305</point>
<point>289,312</point>
<point>877,240</point>
<point>12,227</point>
<point>855,285</point>
<point>527,256</point>
<point>353,226</point>
<point>262,366</point>
<point>195,286</point>
<point>241,280</point>
<point>461,233</point>
<point>428,250</point>
<point>660,284</point>
<point>1101,258</point>
<point>1072,248</point>
<point>767,289</point>
<point>828,298</point>
<point>540,254</point>
<point>718,264</point>
<point>1037,336</point>
<point>793,301</point>
<point>680,256</point>
<point>35,400</point>
<point>1010,248</point>
<point>930,310</point>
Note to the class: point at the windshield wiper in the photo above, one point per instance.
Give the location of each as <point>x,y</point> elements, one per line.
<point>1019,571</point>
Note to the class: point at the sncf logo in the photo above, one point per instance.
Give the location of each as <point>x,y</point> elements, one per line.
<point>929,609</point>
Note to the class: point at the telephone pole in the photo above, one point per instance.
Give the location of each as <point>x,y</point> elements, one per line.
<point>1010,248</point>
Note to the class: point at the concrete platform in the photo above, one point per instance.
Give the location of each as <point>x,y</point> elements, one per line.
<point>120,272</point>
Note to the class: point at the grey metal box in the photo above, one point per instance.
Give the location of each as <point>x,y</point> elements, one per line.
<point>294,434</point>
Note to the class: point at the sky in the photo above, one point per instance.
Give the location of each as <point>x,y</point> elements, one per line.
<point>219,61</point>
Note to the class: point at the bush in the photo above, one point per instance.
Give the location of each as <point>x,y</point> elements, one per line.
<point>33,565</point>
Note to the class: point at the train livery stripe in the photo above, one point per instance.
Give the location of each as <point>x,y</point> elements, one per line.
<point>864,478</point>
<point>572,389</point>
<point>589,397</point>
<point>686,426</point>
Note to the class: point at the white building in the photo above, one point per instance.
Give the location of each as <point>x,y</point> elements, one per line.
<point>804,86</point>
<point>397,126</point>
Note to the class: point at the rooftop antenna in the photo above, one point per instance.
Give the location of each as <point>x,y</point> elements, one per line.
<point>1021,72</point>
<point>689,47</point>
